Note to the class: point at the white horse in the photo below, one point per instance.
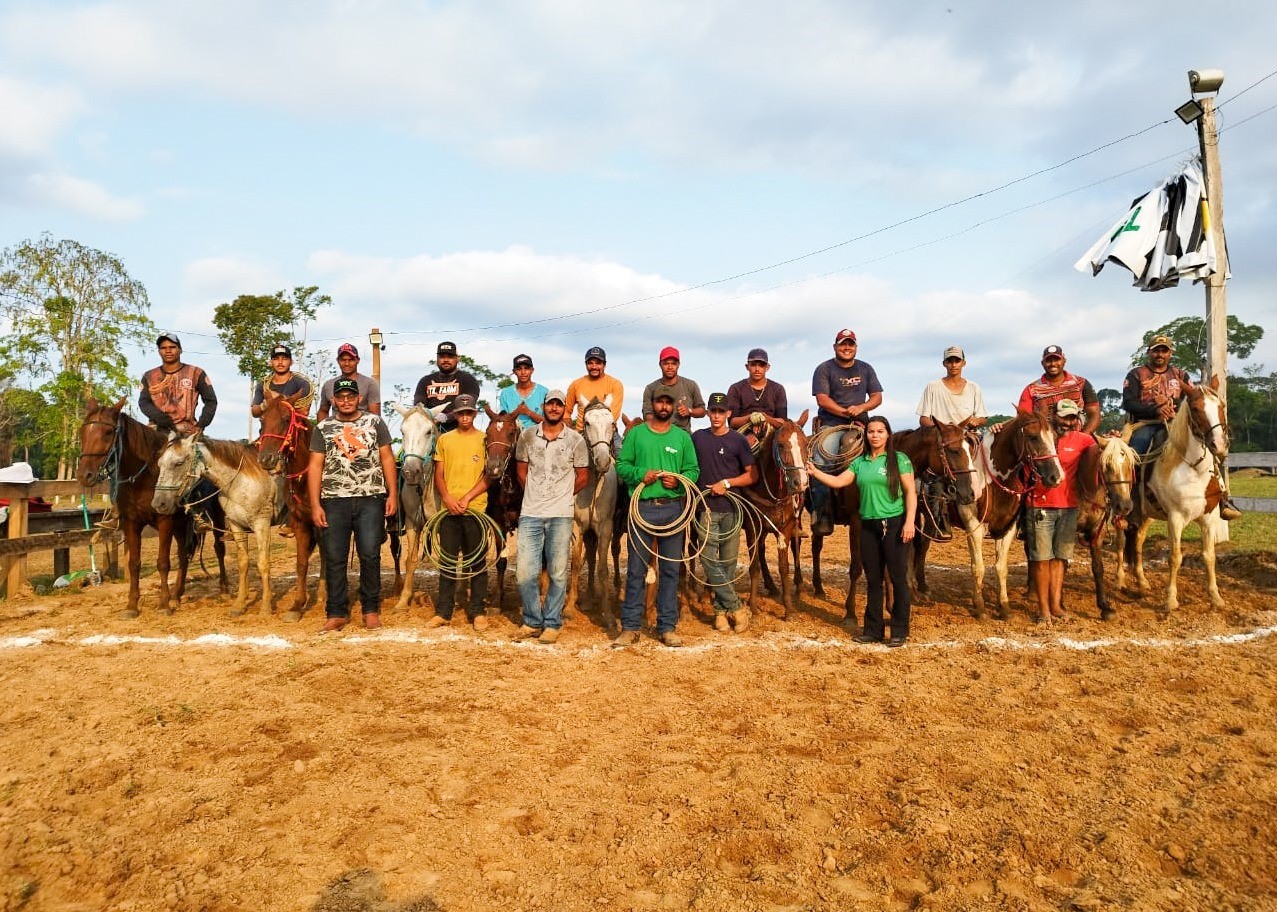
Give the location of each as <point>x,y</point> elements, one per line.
<point>418,499</point>
<point>1181,489</point>
<point>246,492</point>
<point>595,504</point>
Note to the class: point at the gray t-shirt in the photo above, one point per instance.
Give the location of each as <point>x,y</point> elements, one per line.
<point>685,391</point>
<point>552,466</point>
<point>369,392</point>
<point>352,458</point>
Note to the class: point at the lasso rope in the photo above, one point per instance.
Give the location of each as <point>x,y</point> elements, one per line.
<point>833,462</point>
<point>463,565</point>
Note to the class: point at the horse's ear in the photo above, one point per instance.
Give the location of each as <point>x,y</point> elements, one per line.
<point>269,394</point>
<point>403,412</point>
<point>492,416</point>
<point>437,412</point>
<point>802,419</point>
<point>1214,382</point>
<point>585,403</point>
<point>119,405</point>
<point>173,435</point>
<point>607,400</point>
<point>625,419</point>
<point>296,397</point>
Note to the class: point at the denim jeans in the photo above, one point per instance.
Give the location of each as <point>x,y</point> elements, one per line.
<point>1148,437</point>
<point>544,542</point>
<point>462,534</point>
<point>719,557</point>
<point>670,549</point>
<point>366,518</point>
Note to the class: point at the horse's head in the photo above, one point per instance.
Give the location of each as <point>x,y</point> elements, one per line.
<point>282,424</point>
<point>789,448</point>
<point>1209,417</point>
<point>100,441</point>
<point>498,443</point>
<point>599,427</point>
<point>1117,471</point>
<point>1030,441</point>
<point>179,468</point>
<point>420,430</point>
<point>952,450</point>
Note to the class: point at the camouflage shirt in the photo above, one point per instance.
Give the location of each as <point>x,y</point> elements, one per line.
<point>352,463</point>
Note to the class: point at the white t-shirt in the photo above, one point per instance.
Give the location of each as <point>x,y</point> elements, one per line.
<point>952,408</point>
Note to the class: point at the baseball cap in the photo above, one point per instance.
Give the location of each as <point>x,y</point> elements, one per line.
<point>446,348</point>
<point>1160,341</point>
<point>667,352</point>
<point>348,349</point>
<point>662,394</point>
<point>954,352</point>
<point>281,349</point>
<point>1067,407</point>
<point>757,354</point>
<point>464,403</point>
<point>1052,351</point>
<point>345,385</point>
<point>844,335</point>
<point>717,402</point>
<point>556,395</point>
<point>522,361</point>
<point>168,337</point>
<point>596,354</point>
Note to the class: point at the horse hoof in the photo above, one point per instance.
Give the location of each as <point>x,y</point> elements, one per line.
<point>166,611</point>
<point>293,616</point>
<point>237,612</point>
<point>1107,614</point>
<point>128,614</point>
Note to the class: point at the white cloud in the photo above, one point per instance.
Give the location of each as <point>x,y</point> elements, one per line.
<point>34,116</point>
<point>65,191</point>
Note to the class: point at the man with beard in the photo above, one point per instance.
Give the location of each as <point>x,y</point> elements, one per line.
<point>596,384</point>
<point>1055,384</point>
<point>445,385</point>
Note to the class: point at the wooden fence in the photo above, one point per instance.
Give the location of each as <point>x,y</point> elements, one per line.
<point>57,531</point>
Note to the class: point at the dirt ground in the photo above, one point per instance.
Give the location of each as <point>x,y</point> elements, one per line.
<point>204,762</point>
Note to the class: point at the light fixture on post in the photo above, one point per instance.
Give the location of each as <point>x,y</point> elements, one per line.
<point>1189,111</point>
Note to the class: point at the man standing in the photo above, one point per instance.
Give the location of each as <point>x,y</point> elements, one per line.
<point>725,462</point>
<point>283,382</point>
<point>953,398</point>
<point>651,455</point>
<point>369,389</point>
<point>553,466</point>
<point>353,488</point>
<point>1051,529</point>
<point>462,489</point>
<point>1055,384</point>
<point>755,399</point>
<point>688,403</point>
<point>846,391</point>
<point>169,391</point>
<point>445,385</point>
<point>524,398</point>
<point>596,384</point>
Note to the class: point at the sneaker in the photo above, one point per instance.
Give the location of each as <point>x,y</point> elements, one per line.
<point>672,639</point>
<point>438,621</point>
<point>1228,510</point>
<point>527,633</point>
<point>741,617</point>
<point>626,638</point>
<point>335,623</point>
<point>720,623</point>
<point>549,635</point>
<point>480,622</point>
<point>372,620</point>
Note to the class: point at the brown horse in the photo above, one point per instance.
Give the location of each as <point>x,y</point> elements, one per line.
<point>1023,446</point>
<point>1104,482</point>
<point>846,512</point>
<point>115,448</point>
<point>505,494</point>
<point>778,498</point>
<point>943,469</point>
<point>284,446</point>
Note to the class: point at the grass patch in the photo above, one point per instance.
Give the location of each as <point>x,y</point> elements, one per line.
<point>1252,532</point>
<point>1246,485</point>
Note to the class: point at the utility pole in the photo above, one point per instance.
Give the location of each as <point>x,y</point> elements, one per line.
<point>375,339</point>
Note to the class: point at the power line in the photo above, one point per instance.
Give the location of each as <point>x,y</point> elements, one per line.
<point>1233,98</point>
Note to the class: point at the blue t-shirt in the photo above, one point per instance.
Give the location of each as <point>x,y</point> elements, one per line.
<point>509,400</point>
<point>876,501</point>
<point>847,386</point>
<point>720,456</point>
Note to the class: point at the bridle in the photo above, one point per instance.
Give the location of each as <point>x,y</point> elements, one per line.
<point>114,457</point>
<point>297,422</point>
<point>1025,459</point>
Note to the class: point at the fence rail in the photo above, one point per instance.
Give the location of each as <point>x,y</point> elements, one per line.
<point>20,541</point>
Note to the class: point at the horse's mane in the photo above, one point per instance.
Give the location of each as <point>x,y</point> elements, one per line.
<point>232,452</point>
<point>1180,430</point>
<point>139,439</point>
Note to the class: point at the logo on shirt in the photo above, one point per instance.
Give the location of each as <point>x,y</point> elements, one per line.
<point>440,388</point>
<point>671,451</point>
<point>849,382</point>
<point>185,383</point>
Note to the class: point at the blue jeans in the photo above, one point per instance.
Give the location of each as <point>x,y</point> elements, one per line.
<point>544,542</point>
<point>670,550</point>
<point>1144,438</point>
<point>719,557</point>
<point>366,518</point>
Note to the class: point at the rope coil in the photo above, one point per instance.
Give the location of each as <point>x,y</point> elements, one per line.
<point>463,565</point>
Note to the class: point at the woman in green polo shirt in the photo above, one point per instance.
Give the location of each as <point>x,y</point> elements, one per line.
<point>888,504</point>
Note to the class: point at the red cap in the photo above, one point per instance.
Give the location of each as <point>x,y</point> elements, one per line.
<point>669,351</point>
<point>845,335</point>
<point>348,349</point>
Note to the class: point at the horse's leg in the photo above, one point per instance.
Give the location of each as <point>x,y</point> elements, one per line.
<point>854,572</point>
<point>396,548</point>
<point>241,561</point>
<point>1206,523</point>
<point>263,565</point>
<point>782,566</point>
<point>975,547</point>
<point>219,549</point>
<point>576,553</point>
<point>133,545</point>
<point>183,564</point>
<point>1140,536</point>
<point>796,548</point>
<point>766,569</point>
<point>817,547</point>
<point>1095,542</point>
<point>411,556</point>
<point>605,544</point>
<point>1002,552</point>
<point>1174,529</point>
<point>163,558</point>
<point>303,541</point>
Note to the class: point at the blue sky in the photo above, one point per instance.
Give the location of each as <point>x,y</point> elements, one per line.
<point>438,167</point>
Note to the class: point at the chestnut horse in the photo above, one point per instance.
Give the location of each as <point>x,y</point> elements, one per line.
<point>778,497</point>
<point>943,471</point>
<point>117,449</point>
<point>1103,484</point>
<point>846,512</point>
<point>505,494</point>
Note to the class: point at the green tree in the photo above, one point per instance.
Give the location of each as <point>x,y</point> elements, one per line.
<point>251,324</point>
<point>1111,415</point>
<point>1189,336</point>
<point>71,309</point>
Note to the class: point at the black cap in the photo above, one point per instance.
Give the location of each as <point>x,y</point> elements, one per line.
<point>522,361</point>
<point>345,385</point>
<point>757,354</point>
<point>717,402</point>
<point>596,353</point>
<point>281,349</point>
<point>662,393</point>
<point>1052,351</point>
<point>446,348</point>
<point>167,336</point>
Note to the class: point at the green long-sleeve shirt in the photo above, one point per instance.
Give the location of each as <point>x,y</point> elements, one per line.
<point>644,449</point>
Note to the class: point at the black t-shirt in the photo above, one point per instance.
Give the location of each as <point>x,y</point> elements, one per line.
<point>440,389</point>
<point>720,456</point>
<point>771,400</point>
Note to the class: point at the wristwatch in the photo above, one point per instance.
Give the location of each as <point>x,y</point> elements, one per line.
<point>727,485</point>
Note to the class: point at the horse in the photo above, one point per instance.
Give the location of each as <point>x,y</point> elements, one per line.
<point>594,514</point>
<point>418,499</point>
<point>1103,484</point>
<point>115,448</point>
<point>505,493</point>
<point>943,469</point>
<point>846,512</point>
<point>778,498</point>
<point>246,492</point>
<point>284,446</point>
<point>1182,486</point>
<point>1026,444</point>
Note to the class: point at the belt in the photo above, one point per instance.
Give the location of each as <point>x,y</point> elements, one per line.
<point>661,501</point>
